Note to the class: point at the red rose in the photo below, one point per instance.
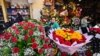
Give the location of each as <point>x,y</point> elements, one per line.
<point>68,43</point>
<point>15,50</point>
<point>90,29</point>
<point>32,40</point>
<point>7,35</point>
<point>17,31</point>
<point>34,45</point>
<point>32,25</point>
<point>42,36</point>
<point>97,30</point>
<point>45,46</point>
<point>40,51</point>
<point>26,37</point>
<point>29,23</point>
<point>41,28</point>
<point>50,46</point>
<point>73,40</point>
<point>22,23</point>
<point>54,35</point>
<point>14,27</point>
<point>81,40</point>
<point>30,32</point>
<point>62,41</point>
<point>25,27</point>
<point>46,39</point>
<point>14,39</point>
<point>63,54</point>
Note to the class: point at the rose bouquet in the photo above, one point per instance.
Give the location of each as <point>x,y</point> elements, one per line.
<point>96,30</point>
<point>24,39</point>
<point>68,40</point>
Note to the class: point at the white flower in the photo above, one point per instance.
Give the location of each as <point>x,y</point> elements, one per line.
<point>1,42</point>
<point>9,44</point>
<point>28,51</point>
<point>37,33</point>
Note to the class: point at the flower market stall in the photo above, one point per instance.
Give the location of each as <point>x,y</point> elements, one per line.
<point>64,29</point>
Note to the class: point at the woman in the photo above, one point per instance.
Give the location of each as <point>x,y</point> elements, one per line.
<point>19,17</point>
<point>54,24</point>
<point>51,25</point>
<point>84,24</point>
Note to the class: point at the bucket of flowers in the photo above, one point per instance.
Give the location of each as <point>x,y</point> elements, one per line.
<point>68,40</point>
<point>25,39</point>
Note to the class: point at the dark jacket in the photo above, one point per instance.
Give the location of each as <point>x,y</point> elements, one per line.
<point>19,18</point>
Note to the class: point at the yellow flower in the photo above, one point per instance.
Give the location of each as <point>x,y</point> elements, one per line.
<point>76,35</point>
<point>60,32</point>
<point>67,35</point>
<point>68,38</point>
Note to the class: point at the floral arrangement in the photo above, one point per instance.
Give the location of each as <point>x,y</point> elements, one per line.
<point>24,39</point>
<point>68,40</point>
<point>96,30</point>
<point>68,36</point>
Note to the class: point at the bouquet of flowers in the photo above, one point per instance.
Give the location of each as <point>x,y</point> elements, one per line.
<point>68,40</point>
<point>96,30</point>
<point>24,39</point>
